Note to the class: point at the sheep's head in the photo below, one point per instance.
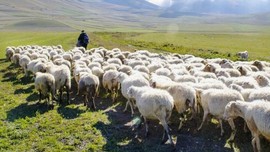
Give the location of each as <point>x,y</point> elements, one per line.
<point>258,64</point>
<point>262,80</point>
<point>130,92</point>
<point>231,110</point>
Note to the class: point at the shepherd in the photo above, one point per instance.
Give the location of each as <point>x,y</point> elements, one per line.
<point>83,40</point>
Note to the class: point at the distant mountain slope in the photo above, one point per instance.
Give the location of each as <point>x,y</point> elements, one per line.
<point>113,15</point>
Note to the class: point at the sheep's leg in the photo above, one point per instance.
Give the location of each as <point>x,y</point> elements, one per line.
<point>253,142</point>
<point>78,90</point>
<point>113,95</point>
<point>221,127</point>
<point>60,95</point>
<point>126,106</point>
<point>39,96</point>
<point>85,100</point>
<point>245,127</point>
<point>131,107</point>
<point>146,127</point>
<point>166,128</point>
<point>133,103</point>
<point>181,121</point>
<point>93,103</point>
<point>204,118</point>
<point>231,123</point>
<point>68,99</point>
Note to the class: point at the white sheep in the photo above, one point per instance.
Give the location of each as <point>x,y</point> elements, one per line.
<point>263,81</point>
<point>110,83</point>
<point>24,60</point>
<point>62,78</point>
<point>153,104</point>
<point>259,94</point>
<point>88,86</point>
<point>214,101</point>
<point>257,116</point>
<point>9,53</point>
<point>125,69</point>
<point>243,55</point>
<point>128,81</point>
<point>184,96</point>
<point>15,59</point>
<point>45,84</point>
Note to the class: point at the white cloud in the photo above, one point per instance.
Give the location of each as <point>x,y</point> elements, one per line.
<point>161,3</point>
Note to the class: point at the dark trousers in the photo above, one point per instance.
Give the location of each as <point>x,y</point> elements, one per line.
<point>85,46</point>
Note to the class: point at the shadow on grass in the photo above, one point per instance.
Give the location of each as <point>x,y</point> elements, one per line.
<point>27,110</point>
<point>23,91</point>
<point>10,77</point>
<point>121,134</point>
<point>24,80</point>
<point>69,113</point>
<point>33,97</point>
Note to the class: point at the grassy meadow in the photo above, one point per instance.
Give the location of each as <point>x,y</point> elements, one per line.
<point>26,125</point>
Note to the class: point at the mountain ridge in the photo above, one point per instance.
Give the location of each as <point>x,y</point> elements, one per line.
<point>113,15</point>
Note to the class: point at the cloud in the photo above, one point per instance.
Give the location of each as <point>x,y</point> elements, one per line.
<point>223,6</point>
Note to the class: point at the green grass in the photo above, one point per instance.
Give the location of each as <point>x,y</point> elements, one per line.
<point>257,44</point>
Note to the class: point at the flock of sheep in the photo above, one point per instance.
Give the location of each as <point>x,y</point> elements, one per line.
<point>155,83</point>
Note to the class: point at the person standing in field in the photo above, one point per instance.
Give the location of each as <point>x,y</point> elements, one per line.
<point>83,40</point>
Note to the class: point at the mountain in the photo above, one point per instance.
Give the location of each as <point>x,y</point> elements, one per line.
<point>117,15</point>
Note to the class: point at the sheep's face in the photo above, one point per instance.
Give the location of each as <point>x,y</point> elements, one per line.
<point>230,110</point>
<point>130,92</point>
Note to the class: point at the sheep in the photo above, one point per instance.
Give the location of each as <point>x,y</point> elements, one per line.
<point>214,101</point>
<point>185,78</point>
<point>24,60</point>
<point>15,59</point>
<point>125,69</point>
<point>128,81</point>
<point>153,104</point>
<point>62,78</point>
<point>142,68</point>
<point>45,84</point>
<point>260,65</point>
<point>243,55</point>
<point>110,83</point>
<point>257,116</point>
<point>184,96</point>
<point>9,53</point>
<point>163,71</point>
<point>262,80</point>
<point>88,86</point>
<point>262,93</point>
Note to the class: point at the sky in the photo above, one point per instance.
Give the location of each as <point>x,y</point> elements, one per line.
<point>216,6</point>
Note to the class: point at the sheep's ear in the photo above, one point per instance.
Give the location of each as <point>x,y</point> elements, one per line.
<point>188,103</point>
<point>154,85</point>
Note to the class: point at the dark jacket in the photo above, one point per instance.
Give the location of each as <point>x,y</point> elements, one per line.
<point>83,39</point>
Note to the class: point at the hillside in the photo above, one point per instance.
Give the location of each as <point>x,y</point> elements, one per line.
<point>115,15</point>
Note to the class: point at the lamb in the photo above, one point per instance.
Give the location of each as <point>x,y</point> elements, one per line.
<point>88,86</point>
<point>45,84</point>
<point>128,81</point>
<point>243,55</point>
<point>153,104</point>
<point>62,78</point>
<point>110,83</point>
<point>257,116</point>
<point>214,101</point>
